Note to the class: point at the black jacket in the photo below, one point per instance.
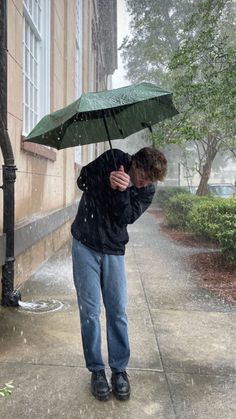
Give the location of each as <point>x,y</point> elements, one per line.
<point>103,213</point>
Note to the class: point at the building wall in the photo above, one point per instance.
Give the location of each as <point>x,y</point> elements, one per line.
<point>42,185</point>
<point>45,188</point>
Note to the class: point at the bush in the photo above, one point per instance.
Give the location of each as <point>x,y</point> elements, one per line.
<point>177,209</point>
<point>164,193</point>
<point>207,216</point>
<point>216,219</point>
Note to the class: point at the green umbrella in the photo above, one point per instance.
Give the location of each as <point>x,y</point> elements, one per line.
<point>103,116</point>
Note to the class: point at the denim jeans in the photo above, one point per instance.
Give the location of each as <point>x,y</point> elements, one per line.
<point>95,274</point>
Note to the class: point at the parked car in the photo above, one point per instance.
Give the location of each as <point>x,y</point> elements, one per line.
<point>193,189</point>
<point>224,190</point>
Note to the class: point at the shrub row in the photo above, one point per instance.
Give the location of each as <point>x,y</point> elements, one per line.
<point>216,220</point>
<point>209,217</point>
<point>163,194</point>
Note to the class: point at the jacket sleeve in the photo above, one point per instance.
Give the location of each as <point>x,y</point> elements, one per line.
<point>128,206</point>
<point>93,178</point>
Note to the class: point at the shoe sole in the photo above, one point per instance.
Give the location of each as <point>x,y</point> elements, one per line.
<point>121,397</point>
<point>103,398</point>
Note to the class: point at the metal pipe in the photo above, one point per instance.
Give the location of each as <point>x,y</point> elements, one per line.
<point>9,296</point>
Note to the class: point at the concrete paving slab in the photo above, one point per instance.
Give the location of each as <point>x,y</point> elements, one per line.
<point>54,338</point>
<point>173,284</point>
<point>64,392</point>
<point>203,396</point>
<point>193,341</point>
<point>137,305</point>
<point>143,344</point>
<point>41,338</point>
<point>174,294</point>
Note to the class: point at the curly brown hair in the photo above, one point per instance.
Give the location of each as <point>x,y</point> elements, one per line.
<point>152,161</point>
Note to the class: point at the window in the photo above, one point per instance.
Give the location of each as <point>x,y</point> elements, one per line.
<point>78,66</point>
<point>36,63</point>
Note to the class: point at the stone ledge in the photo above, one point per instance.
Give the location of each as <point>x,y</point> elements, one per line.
<point>38,150</point>
<point>29,234</point>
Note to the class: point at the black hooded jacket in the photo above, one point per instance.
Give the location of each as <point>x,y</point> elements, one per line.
<point>103,213</point>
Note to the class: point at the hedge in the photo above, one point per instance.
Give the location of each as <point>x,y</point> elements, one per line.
<point>216,220</point>
<point>209,217</point>
<point>164,194</point>
<point>177,208</point>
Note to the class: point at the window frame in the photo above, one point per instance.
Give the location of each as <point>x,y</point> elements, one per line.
<point>42,32</point>
<point>79,66</point>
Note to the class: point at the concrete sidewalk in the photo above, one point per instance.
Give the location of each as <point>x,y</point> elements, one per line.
<point>183,343</point>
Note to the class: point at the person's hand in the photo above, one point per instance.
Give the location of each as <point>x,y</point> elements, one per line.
<point>119,179</point>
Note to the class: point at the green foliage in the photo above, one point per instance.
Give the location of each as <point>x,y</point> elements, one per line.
<point>216,219</point>
<point>177,209</point>
<point>209,217</point>
<point>165,193</point>
<point>189,47</point>
<point>154,37</point>
<point>6,390</point>
<point>204,71</point>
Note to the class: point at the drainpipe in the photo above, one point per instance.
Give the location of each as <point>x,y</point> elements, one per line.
<point>9,296</point>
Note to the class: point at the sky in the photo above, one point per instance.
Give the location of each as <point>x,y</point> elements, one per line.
<point>118,78</point>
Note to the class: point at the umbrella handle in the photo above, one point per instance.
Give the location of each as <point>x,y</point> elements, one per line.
<point>109,140</point>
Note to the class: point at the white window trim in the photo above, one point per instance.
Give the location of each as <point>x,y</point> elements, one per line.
<point>44,60</point>
<point>79,66</point>
<point>45,66</point>
<point>79,48</point>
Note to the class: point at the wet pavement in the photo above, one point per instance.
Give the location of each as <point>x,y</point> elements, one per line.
<point>183,341</point>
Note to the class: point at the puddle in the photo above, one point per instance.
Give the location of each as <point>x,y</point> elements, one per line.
<point>41,306</point>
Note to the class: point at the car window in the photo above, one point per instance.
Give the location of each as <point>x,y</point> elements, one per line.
<point>221,190</point>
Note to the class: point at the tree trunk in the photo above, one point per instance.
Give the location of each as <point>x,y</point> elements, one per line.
<point>206,172</point>
<point>211,151</point>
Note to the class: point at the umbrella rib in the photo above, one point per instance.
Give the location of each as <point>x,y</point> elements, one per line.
<point>147,125</point>
<point>114,118</point>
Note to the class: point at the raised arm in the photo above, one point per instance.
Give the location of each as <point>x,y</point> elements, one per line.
<point>94,177</point>
<point>129,205</point>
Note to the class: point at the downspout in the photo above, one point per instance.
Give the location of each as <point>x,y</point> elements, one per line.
<point>9,296</point>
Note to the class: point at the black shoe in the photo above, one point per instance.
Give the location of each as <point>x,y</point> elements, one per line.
<point>99,385</point>
<point>120,385</point>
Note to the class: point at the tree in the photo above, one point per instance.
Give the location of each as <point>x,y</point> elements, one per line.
<point>204,74</point>
<point>156,28</point>
<point>199,65</point>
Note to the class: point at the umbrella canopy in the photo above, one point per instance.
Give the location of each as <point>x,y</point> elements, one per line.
<point>103,116</point>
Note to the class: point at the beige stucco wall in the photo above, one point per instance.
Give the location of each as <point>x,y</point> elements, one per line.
<point>14,81</point>
<point>28,262</point>
<point>41,185</point>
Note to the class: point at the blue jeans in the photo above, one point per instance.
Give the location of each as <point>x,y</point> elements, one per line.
<point>96,273</point>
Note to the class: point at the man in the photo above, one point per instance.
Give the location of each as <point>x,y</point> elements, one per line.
<point>112,198</point>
